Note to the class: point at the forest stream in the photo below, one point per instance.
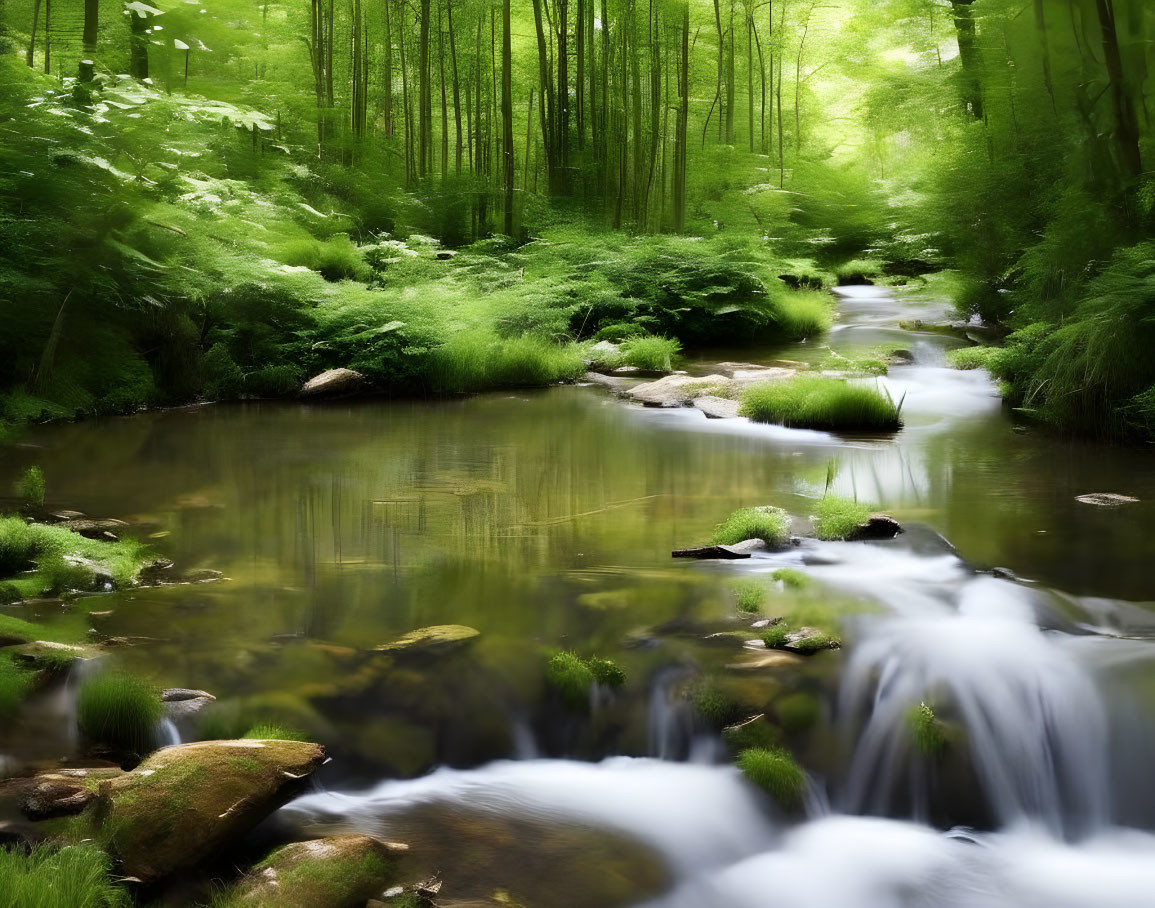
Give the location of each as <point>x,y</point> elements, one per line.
<point>546,519</point>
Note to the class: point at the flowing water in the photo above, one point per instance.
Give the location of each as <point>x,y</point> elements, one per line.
<point>545,520</point>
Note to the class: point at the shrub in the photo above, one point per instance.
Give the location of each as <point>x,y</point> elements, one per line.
<point>925,730</point>
<point>31,486</point>
<point>120,711</point>
<point>606,672</point>
<point>776,773</point>
<point>803,313</point>
<point>656,354</point>
<point>837,518</point>
<point>815,402</point>
<point>77,876</point>
<point>974,357</point>
<point>769,524</point>
<point>750,594</point>
<point>569,675</point>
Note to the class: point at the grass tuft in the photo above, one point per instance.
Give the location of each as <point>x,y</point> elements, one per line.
<point>15,683</point>
<point>769,524</point>
<point>271,731</point>
<point>925,730</point>
<point>801,314</point>
<point>776,773</point>
<point>837,518</point>
<point>77,876</point>
<point>791,578</point>
<point>569,675</point>
<point>656,354</point>
<point>750,595</point>
<point>31,486</point>
<point>120,711</point>
<point>817,402</point>
<point>775,636</point>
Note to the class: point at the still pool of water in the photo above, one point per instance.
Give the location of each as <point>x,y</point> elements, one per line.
<point>545,520</point>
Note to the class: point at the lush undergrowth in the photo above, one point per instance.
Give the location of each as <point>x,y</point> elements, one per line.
<point>815,402</point>
<point>837,518</point>
<point>119,711</point>
<point>78,876</point>
<point>770,524</point>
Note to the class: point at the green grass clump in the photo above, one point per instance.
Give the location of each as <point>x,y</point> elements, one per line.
<point>750,595</point>
<point>120,711</point>
<point>791,578</point>
<point>24,545</point>
<point>477,360</point>
<point>15,683</point>
<point>803,313</point>
<point>808,646</point>
<point>271,731</point>
<point>713,703</point>
<point>31,486</point>
<point>775,636</point>
<point>925,730</point>
<point>857,271</point>
<point>974,357</point>
<point>569,675</point>
<point>776,773</point>
<point>818,402</point>
<point>837,518</point>
<point>769,524</point>
<point>77,876</point>
<point>656,354</point>
<point>799,711</point>
<point>606,672</point>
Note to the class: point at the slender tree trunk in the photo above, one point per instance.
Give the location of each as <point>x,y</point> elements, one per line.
<point>91,26</point>
<point>528,141</point>
<point>1126,123</point>
<point>406,106</point>
<point>968,52</point>
<point>563,85</point>
<point>329,57</point>
<point>680,140</point>
<point>444,94</point>
<point>762,71</point>
<point>730,80</point>
<point>547,94</point>
<point>750,78</point>
<point>603,170</point>
<point>1045,47</point>
<point>456,83</point>
<point>424,96</point>
<point>47,36</point>
<point>781,142</point>
<point>580,36</point>
<point>389,125</point>
<point>721,57</point>
<point>592,71</point>
<point>507,114</point>
<point>30,57</point>
<point>636,102</point>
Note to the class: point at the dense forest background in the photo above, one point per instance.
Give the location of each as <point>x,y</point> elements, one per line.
<point>215,199</point>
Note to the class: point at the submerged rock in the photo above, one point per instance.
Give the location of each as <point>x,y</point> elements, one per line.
<point>677,390</point>
<point>435,640</point>
<point>1105,499</point>
<point>876,526</point>
<point>343,871</point>
<point>94,529</point>
<point>809,640</point>
<point>186,802</point>
<point>333,383</point>
<point>710,551</point>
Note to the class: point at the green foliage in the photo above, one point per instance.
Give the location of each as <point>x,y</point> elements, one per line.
<point>31,487</point>
<point>713,703</point>
<point>477,361</point>
<point>925,730</point>
<point>606,672</point>
<point>750,595</point>
<point>64,559</point>
<point>775,635</point>
<point>801,314</point>
<point>815,643</point>
<point>974,357</point>
<point>770,524</point>
<point>837,518</point>
<point>799,711</point>
<point>76,876</point>
<point>776,773</point>
<point>573,677</point>
<point>658,354</point>
<point>274,732</point>
<point>791,578</point>
<point>15,683</point>
<point>120,711</point>
<point>814,402</point>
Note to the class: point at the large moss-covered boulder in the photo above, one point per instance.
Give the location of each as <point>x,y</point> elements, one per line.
<point>343,871</point>
<point>185,802</point>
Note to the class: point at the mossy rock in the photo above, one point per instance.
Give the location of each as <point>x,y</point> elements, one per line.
<point>186,802</point>
<point>53,657</point>
<point>431,641</point>
<point>339,872</point>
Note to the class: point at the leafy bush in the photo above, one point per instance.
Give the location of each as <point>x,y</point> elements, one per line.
<point>77,876</point>
<point>974,358</point>
<point>120,711</point>
<point>776,773</point>
<point>606,672</point>
<point>837,518</point>
<point>769,524</point>
<point>814,402</point>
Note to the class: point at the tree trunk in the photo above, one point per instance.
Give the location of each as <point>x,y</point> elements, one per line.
<point>456,83</point>
<point>528,141</point>
<point>546,87</point>
<point>406,107</point>
<point>507,114</point>
<point>730,80</point>
<point>1045,47</point>
<point>444,95</point>
<point>1126,123</point>
<point>721,57</point>
<point>563,85</point>
<point>47,36</point>
<point>580,34</point>
<point>138,46</point>
<point>91,26</point>
<point>389,127</point>
<point>682,126</point>
<point>968,52</point>
<point>424,97</point>
<point>30,57</point>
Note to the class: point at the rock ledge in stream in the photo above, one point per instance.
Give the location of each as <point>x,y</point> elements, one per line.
<point>717,407</point>
<point>333,384</point>
<point>62,792</point>
<point>186,802</point>
<point>741,549</point>
<point>344,871</point>
<point>1106,499</point>
<point>435,640</point>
